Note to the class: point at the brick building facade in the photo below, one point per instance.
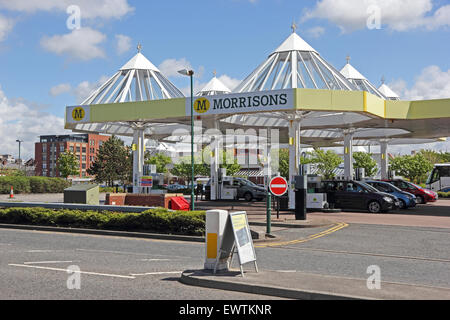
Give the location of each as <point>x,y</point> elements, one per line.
<point>48,149</point>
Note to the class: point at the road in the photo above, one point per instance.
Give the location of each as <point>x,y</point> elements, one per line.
<point>33,265</point>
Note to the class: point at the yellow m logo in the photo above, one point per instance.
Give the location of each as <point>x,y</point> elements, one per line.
<point>201,105</point>
<point>78,114</point>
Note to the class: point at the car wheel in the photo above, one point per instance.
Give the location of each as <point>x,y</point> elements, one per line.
<point>420,200</point>
<point>374,207</point>
<point>248,197</point>
<point>402,204</point>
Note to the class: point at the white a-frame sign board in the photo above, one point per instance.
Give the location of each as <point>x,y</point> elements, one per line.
<point>237,237</point>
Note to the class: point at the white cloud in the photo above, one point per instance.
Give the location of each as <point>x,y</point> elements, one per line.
<point>315,32</point>
<point>431,83</point>
<point>170,67</point>
<point>21,121</point>
<point>104,9</point>
<point>81,44</point>
<point>231,83</point>
<point>123,43</point>
<point>60,89</point>
<point>398,15</point>
<point>81,92</point>
<point>85,88</point>
<point>6,26</point>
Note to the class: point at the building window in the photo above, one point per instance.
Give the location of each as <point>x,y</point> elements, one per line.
<point>84,150</point>
<point>44,166</point>
<point>78,149</point>
<point>71,149</point>
<point>83,158</point>
<point>83,166</point>
<point>61,147</point>
<point>44,157</point>
<point>44,148</point>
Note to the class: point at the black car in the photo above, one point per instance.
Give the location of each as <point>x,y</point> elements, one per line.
<point>357,195</point>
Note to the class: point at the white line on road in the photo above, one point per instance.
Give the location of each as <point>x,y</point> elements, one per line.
<point>154,259</point>
<point>47,262</point>
<point>65,270</point>
<point>155,273</point>
<point>39,251</point>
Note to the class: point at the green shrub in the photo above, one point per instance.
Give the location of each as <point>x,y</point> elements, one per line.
<point>156,220</point>
<point>32,184</point>
<point>444,194</point>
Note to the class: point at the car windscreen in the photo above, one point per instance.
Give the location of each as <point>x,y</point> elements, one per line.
<point>368,187</point>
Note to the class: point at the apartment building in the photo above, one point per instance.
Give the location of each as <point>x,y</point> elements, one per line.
<point>48,149</point>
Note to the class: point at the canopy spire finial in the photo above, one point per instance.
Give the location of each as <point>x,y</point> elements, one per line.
<point>383,80</point>
<point>139,47</point>
<point>348,59</point>
<point>293,27</point>
<point>214,73</point>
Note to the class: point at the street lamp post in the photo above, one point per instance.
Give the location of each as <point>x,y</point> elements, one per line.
<point>190,73</point>
<point>20,142</point>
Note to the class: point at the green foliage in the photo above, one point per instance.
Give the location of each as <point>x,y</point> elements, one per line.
<point>435,157</point>
<point>415,167</point>
<point>326,161</point>
<point>183,168</point>
<point>365,160</point>
<point>68,164</point>
<point>443,194</point>
<point>112,163</point>
<point>161,161</point>
<point>155,220</point>
<point>283,161</point>
<point>32,184</point>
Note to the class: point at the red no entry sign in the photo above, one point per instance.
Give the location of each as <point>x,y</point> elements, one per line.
<point>278,186</point>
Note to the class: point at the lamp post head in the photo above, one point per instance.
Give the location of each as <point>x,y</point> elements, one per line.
<point>186,72</point>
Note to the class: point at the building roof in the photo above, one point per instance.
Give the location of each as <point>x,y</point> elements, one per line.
<point>359,81</point>
<point>294,64</point>
<point>388,93</point>
<point>137,80</point>
<point>214,86</point>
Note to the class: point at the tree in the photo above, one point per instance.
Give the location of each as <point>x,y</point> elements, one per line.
<point>364,160</point>
<point>113,163</point>
<point>161,161</point>
<point>68,164</point>
<point>326,161</point>
<point>415,168</point>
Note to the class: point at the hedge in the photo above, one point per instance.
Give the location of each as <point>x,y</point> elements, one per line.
<point>32,184</point>
<point>444,194</point>
<point>154,220</point>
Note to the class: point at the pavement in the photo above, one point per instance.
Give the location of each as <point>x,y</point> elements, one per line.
<point>308,286</point>
<point>300,285</point>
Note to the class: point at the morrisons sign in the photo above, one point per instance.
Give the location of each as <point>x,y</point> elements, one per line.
<point>242,102</point>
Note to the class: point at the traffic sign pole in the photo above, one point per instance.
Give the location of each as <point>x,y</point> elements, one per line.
<point>269,212</point>
<point>277,186</point>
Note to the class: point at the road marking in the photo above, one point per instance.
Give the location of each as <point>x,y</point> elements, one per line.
<point>73,271</point>
<point>154,259</point>
<point>47,262</point>
<point>132,253</point>
<point>155,273</point>
<point>39,251</point>
<point>335,228</point>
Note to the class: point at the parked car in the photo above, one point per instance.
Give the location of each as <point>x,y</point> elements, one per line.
<point>423,195</point>
<point>244,189</point>
<point>357,195</point>
<point>176,187</point>
<point>407,200</point>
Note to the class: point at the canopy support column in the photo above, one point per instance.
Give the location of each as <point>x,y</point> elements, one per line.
<point>138,158</point>
<point>215,161</point>
<point>294,158</point>
<point>348,155</point>
<point>384,159</point>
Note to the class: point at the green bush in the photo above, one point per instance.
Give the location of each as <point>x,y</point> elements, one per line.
<point>444,194</point>
<point>32,184</point>
<point>156,220</point>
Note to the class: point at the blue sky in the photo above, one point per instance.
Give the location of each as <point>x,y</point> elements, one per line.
<point>44,68</point>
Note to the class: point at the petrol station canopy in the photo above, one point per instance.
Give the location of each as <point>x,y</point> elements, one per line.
<point>294,82</point>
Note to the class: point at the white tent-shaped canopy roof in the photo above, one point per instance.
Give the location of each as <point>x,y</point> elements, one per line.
<point>214,86</point>
<point>359,81</point>
<point>137,80</point>
<point>294,64</point>
<point>388,93</point>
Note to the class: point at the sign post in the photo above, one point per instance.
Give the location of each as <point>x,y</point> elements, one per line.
<point>277,186</point>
